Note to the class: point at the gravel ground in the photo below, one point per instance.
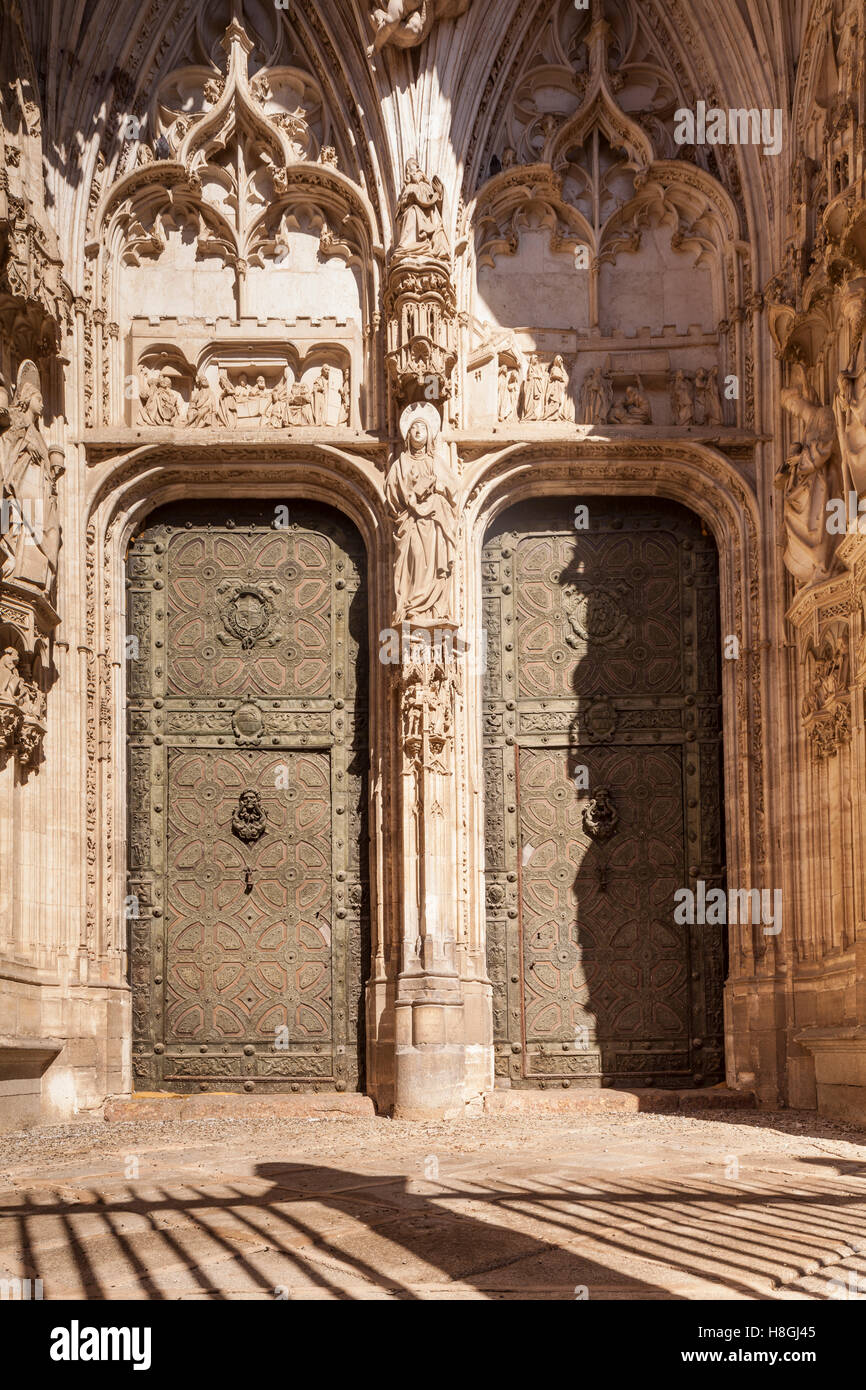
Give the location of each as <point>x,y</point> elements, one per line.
<point>786,1132</point>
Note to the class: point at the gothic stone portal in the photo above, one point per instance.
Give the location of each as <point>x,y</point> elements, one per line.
<point>248,862</point>
<point>603,794</point>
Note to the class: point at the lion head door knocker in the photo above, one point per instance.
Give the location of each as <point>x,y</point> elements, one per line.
<point>248,821</point>
<point>600,816</point>
<point>248,616</point>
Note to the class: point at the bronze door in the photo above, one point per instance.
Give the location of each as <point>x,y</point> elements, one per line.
<point>247,786</point>
<point>602,720</point>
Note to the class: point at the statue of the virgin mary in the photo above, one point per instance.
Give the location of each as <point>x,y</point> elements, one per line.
<point>421,491</point>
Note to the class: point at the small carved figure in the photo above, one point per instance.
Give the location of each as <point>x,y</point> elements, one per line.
<point>32,701</point>
<point>320,393</point>
<point>159,403</point>
<point>248,821</point>
<point>345,399</point>
<point>276,411</point>
<point>596,397</point>
<point>534,390</point>
<point>683,399</point>
<point>556,400</point>
<point>634,409</point>
<point>10,680</point>
<point>227,410</point>
<point>708,400</point>
<point>509,391</point>
<point>509,157</point>
<point>202,404</point>
<point>300,406</point>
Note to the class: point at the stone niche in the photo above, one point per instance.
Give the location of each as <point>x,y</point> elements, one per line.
<point>217,374</point>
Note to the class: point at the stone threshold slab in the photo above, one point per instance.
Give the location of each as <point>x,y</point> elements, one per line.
<point>592,1101</point>
<point>166,1105</point>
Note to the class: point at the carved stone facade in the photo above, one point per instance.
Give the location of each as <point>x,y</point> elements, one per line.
<point>409,436</point>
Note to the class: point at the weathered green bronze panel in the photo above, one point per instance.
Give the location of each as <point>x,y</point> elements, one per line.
<point>247,798</point>
<point>603,793</point>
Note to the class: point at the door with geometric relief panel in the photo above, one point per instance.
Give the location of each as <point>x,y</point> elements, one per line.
<point>247,789</point>
<point>603,794</point>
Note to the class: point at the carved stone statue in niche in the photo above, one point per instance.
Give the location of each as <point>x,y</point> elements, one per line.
<point>421,492</point>
<point>634,409</point>
<point>534,390</point>
<point>707,398</point>
<point>807,477</point>
<point>683,399</point>
<point>849,406</point>
<point>509,391</point>
<point>345,399</point>
<point>421,231</point>
<point>596,397</point>
<point>159,403</point>
<point>202,412</point>
<point>321,392</point>
<point>30,471</point>
<point>556,402</point>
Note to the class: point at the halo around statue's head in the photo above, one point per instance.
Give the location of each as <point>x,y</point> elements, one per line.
<point>425,411</point>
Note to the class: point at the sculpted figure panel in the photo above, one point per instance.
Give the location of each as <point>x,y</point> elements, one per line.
<point>421,492</point>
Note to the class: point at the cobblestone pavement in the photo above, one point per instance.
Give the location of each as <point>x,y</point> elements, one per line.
<point>749,1205</point>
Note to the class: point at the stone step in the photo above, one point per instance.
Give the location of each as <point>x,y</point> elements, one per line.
<point>605,1100</point>
<point>166,1105</point>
